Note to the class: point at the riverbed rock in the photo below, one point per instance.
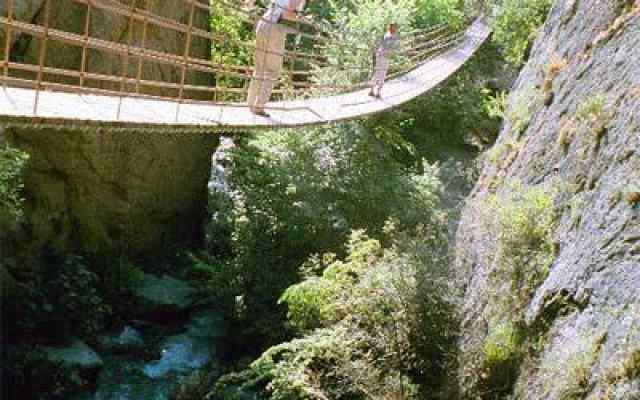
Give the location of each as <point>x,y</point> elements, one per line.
<point>164,298</point>
<point>582,321</point>
<point>128,340</point>
<point>191,350</point>
<point>76,355</point>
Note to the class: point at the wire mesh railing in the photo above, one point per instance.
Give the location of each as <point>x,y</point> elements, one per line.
<point>126,62</point>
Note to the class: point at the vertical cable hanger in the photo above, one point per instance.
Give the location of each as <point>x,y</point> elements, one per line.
<point>85,46</point>
<point>185,58</point>
<point>43,55</point>
<point>125,62</point>
<point>7,45</point>
<point>145,25</point>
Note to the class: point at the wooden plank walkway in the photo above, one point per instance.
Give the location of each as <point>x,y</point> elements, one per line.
<point>86,110</point>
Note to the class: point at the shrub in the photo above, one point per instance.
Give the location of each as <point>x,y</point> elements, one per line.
<point>60,298</point>
<point>502,352</point>
<point>521,110</point>
<point>119,279</point>
<point>565,135</point>
<point>12,163</point>
<point>501,344</point>
<point>515,25</point>
<point>629,367</point>
<point>595,113</point>
<point>632,195</point>
<point>296,193</point>
<point>32,375</point>
<point>374,323</point>
<point>525,245</point>
<point>496,155</point>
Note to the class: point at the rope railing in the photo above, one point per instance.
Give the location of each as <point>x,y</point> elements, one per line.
<point>195,79</point>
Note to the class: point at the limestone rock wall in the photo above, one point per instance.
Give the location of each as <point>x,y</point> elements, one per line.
<point>577,101</point>
<point>105,192</point>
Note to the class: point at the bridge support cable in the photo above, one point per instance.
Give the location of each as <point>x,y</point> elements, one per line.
<point>301,97</point>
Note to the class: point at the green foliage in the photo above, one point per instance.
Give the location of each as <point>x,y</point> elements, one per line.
<point>118,281</point>
<point>521,110</point>
<point>296,193</point>
<point>591,109</point>
<point>453,115</point>
<point>435,12</point>
<point>630,366</point>
<point>315,301</point>
<point>60,299</point>
<point>525,245</point>
<point>360,25</point>
<point>502,352</point>
<point>32,374</point>
<point>501,344</point>
<point>515,25</point>
<point>595,113</point>
<point>232,31</point>
<point>496,105</point>
<point>375,323</point>
<point>501,153</point>
<point>12,163</point>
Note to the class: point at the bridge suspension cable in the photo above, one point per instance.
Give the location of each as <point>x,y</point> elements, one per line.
<point>135,54</point>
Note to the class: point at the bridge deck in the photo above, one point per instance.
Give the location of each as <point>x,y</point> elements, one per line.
<point>61,108</point>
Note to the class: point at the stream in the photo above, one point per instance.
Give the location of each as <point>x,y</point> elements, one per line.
<point>149,361</point>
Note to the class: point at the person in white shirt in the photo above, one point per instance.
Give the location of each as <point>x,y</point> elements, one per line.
<point>271,34</point>
<point>381,64</point>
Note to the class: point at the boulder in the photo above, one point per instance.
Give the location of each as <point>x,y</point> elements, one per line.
<point>76,355</point>
<point>164,298</point>
<point>128,340</point>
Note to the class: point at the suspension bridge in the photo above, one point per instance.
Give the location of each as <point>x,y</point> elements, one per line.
<point>39,94</point>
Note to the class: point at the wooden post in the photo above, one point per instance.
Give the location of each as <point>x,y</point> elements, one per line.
<point>43,55</point>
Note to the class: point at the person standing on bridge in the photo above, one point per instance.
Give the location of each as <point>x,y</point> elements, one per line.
<point>271,34</point>
<point>381,62</point>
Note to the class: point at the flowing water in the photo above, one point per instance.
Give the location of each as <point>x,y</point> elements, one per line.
<point>129,374</point>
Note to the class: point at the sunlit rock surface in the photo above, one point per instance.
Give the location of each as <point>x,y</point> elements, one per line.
<point>589,303</point>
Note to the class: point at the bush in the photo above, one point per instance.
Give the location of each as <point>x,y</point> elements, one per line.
<point>12,163</point>
<point>595,114</point>
<point>525,244</point>
<point>29,374</point>
<point>59,299</point>
<point>297,193</point>
<point>375,323</point>
<point>118,280</point>
<point>515,25</point>
<point>521,110</point>
<point>501,345</point>
<point>502,352</point>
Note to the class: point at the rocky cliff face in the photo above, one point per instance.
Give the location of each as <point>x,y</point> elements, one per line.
<point>131,193</point>
<point>103,191</point>
<point>549,243</point>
